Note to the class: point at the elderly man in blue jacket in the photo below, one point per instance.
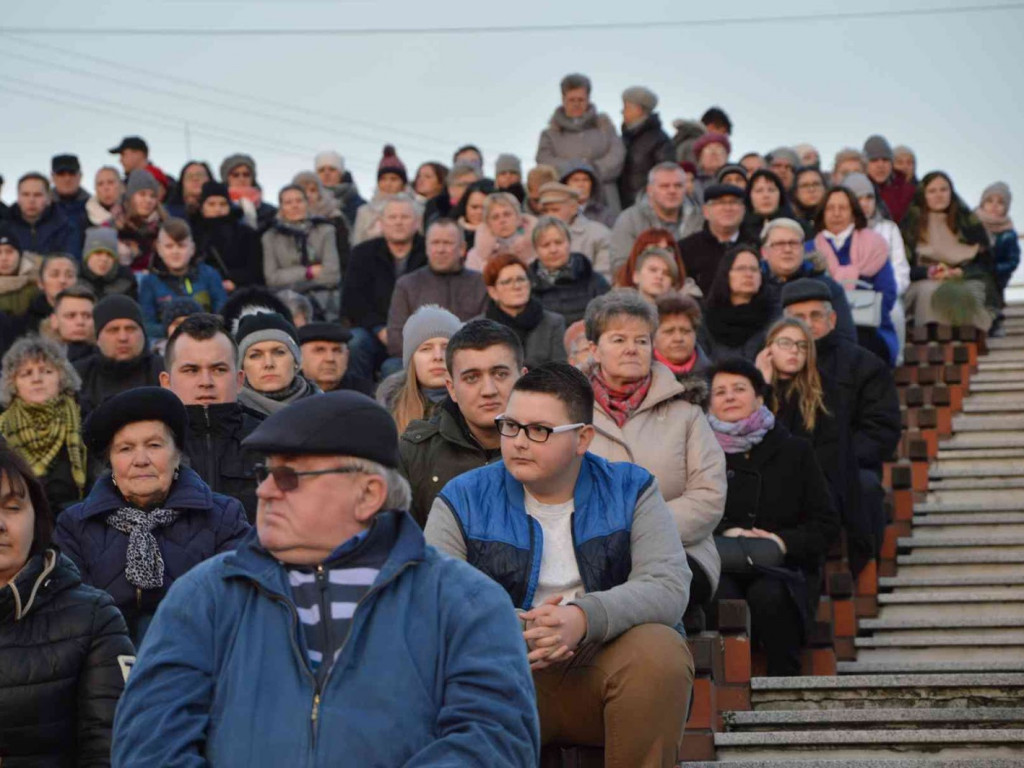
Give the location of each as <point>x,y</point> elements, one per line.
<point>333,635</point>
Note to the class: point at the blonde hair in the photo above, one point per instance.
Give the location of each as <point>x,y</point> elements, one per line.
<point>410,404</point>
<point>806,384</point>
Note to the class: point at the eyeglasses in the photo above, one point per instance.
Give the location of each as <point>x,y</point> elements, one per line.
<point>787,244</point>
<point>789,344</point>
<point>745,268</point>
<point>511,281</point>
<point>287,479</point>
<point>810,185</point>
<point>537,433</point>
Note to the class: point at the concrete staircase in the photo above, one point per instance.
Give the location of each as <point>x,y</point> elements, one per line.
<point>938,678</point>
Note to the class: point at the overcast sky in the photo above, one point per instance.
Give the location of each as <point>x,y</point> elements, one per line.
<point>947,84</point>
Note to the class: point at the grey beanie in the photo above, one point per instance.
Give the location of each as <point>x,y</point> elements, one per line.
<point>141,179</point>
<point>644,98</point>
<point>428,322</point>
<point>1000,188</point>
<point>329,159</point>
<point>266,326</point>
<point>507,163</point>
<point>877,148</point>
<point>100,239</point>
<point>859,184</point>
<point>233,161</point>
<point>784,153</point>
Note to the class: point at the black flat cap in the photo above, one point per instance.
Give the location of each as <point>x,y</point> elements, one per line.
<point>68,163</point>
<point>130,142</point>
<point>715,191</point>
<point>343,423</point>
<point>805,289</point>
<point>324,332</point>
<point>139,404</point>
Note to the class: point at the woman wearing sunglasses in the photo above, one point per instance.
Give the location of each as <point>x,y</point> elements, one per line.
<point>150,519</point>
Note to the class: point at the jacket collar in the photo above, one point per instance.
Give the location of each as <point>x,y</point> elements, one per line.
<point>217,418</point>
<point>187,492</point>
<point>25,590</point>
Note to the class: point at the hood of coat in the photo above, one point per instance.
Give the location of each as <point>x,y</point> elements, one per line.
<point>650,123</point>
<point>42,577</point>
<point>589,119</point>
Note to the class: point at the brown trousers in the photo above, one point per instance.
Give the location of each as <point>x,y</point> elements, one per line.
<point>629,696</point>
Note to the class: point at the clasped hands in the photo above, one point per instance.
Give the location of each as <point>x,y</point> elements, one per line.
<point>553,632</point>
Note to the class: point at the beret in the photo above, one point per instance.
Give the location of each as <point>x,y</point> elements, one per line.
<point>715,191</point>
<point>805,289</point>
<point>324,332</point>
<point>130,406</point>
<point>341,423</point>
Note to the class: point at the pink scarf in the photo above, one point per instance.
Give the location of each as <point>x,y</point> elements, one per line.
<point>680,369</point>
<point>868,254</point>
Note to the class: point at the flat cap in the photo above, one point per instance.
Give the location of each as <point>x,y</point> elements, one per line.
<point>805,289</point>
<point>715,191</point>
<point>342,423</point>
<point>67,163</point>
<point>644,98</point>
<point>130,406</point>
<point>324,332</point>
<point>555,192</point>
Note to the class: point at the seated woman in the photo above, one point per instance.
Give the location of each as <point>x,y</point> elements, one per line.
<point>993,212</point>
<point>656,238</point>
<point>270,357</point>
<point>676,347</point>
<point>64,647</point>
<point>641,415</point>
<point>137,219</point>
<point>808,194</point>
<point>564,282</point>
<point>470,210</point>
<point>18,275</point>
<point>950,259</point>
<point>326,206</point>
<point>185,198</point>
<point>41,419</point>
<point>415,391</point>
<point>300,251</point>
<point>429,181</point>
<point>392,180</point>
<point>657,274</point>
<point>739,309</point>
<point>856,253</point>
<point>225,242</point>
<point>505,229</point>
<point>174,274</point>
<point>779,521</point>
<point>100,269</point>
<point>539,330</point>
<point>149,520</point>
<point>766,200</point>
<point>57,272</point>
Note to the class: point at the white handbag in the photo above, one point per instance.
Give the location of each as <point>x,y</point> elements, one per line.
<point>865,305</point>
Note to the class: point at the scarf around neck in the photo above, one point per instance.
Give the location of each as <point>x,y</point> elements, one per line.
<point>522,323</point>
<point>39,432</point>
<point>993,224</point>
<point>868,254</point>
<point>619,404</point>
<point>741,436</point>
<point>681,369</point>
<point>272,402</point>
<point>144,563</point>
<point>733,326</point>
<point>944,246</point>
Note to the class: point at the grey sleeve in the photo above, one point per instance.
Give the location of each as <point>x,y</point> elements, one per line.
<point>442,530</point>
<point>621,242</point>
<point>658,587</point>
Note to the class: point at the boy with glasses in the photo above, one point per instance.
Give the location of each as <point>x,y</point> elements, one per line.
<point>590,555</point>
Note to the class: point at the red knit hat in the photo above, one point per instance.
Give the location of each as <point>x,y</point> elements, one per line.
<point>711,138</point>
<point>391,164</point>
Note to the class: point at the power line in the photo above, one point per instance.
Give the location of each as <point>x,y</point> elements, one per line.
<point>510,29</point>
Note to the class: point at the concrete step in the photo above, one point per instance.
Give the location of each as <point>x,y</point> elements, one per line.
<point>992,500</point>
<point>987,375</point>
<point>953,595</point>
<point>977,440</point>
<point>975,483</point>
<point>983,455</point>
<point>994,405</point>
<point>977,468</point>
<point>892,658</point>
<point>935,539</point>
<point>1008,342</point>
<point>972,423</point>
<point>1012,363</point>
<point>887,691</point>
<point>805,761</point>
<point>973,573</point>
<point>946,638</point>
<point>901,667</point>
<point>962,557</point>
<point>998,386</point>
<point>935,618</point>
<point>1002,522</point>
<point>864,719</point>
<point>952,580</point>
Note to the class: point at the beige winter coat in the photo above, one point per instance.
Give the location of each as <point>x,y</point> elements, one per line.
<point>672,439</point>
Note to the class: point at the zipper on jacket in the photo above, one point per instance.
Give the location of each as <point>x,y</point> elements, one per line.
<point>212,478</point>
<point>325,620</point>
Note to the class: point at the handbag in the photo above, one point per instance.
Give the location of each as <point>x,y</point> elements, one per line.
<point>865,305</point>
<point>744,555</point>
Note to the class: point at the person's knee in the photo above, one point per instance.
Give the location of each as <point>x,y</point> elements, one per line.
<point>769,597</point>
<point>652,656</point>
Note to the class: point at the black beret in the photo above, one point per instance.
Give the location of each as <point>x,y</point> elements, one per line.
<point>138,404</point>
<point>715,191</point>
<point>324,332</point>
<point>342,423</point>
<point>805,289</point>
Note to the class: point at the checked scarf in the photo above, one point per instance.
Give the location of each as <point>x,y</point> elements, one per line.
<point>38,432</point>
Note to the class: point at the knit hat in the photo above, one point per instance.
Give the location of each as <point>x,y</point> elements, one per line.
<point>783,153</point>
<point>390,163</point>
<point>877,148</point>
<point>859,184</point>
<point>130,406</point>
<point>233,161</point>
<point>141,179</point>
<point>428,322</point>
<point>180,306</point>
<point>100,239</point>
<point>329,159</point>
<point>644,98</point>
<point>116,306</point>
<point>688,167</point>
<point>805,289</point>
<point>214,189</point>
<point>1000,188</point>
<point>553,192</point>
<point>711,138</point>
<point>461,168</point>
<point>9,237</point>
<point>729,168</point>
<point>267,326</point>
<point>507,163</point>
<point>903,149</point>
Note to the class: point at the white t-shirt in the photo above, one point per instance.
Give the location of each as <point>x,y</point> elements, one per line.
<point>559,572</point>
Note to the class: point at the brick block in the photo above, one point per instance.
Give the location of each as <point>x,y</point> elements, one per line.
<point>733,698</point>
<point>737,659</point>
<point>697,747</point>
<point>902,504</point>
<point>844,618</point>
<point>702,710</point>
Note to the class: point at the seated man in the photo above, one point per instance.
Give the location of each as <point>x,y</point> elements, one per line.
<point>723,213</point>
<point>201,360</point>
<point>325,358</point>
<point>71,321</point>
<point>484,359</point>
<point>590,554</point>
<point>414,658</point>
<point>591,238</point>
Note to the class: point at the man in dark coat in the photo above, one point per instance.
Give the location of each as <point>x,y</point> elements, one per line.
<point>484,360</point>
<point>723,213</point>
<point>325,357</point>
<point>373,269</point>
<point>201,361</point>
<point>40,225</point>
<point>646,143</point>
<point>71,321</point>
<point>121,360</point>
<point>860,392</point>
<point>67,193</point>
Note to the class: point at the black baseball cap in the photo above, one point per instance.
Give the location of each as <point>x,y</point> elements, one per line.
<point>65,163</point>
<point>130,142</point>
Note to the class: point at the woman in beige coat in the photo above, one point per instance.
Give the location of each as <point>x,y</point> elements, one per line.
<point>642,415</point>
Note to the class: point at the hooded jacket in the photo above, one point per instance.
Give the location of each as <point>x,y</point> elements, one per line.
<point>119,279</point>
<point>595,209</point>
<point>54,232</point>
<point>288,249</point>
<point>64,655</point>
<point>201,283</point>
<point>433,671</point>
<point>571,288</point>
<point>646,144</point>
<point>230,247</point>
<point>102,377</point>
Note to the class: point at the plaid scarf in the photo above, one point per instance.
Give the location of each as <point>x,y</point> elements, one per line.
<point>38,432</point>
<point>144,565</point>
<point>619,404</point>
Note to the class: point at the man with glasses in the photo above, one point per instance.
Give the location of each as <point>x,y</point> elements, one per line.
<point>784,259</point>
<point>723,213</point>
<point>333,635</point>
<point>589,553</point>
<point>861,395</point>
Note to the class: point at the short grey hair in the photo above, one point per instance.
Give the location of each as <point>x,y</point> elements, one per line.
<point>446,222</point>
<point>849,153</point>
<point>402,198</point>
<point>30,349</point>
<point>399,494</point>
<point>296,303</point>
<point>574,81</point>
<point>664,165</point>
<point>501,198</point>
<point>544,223</point>
<point>826,304</point>
<point>782,223</point>
<point>624,302</point>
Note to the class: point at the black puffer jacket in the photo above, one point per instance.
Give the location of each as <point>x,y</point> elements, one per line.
<point>646,145</point>
<point>570,290</point>
<point>102,377</point>
<point>64,652</point>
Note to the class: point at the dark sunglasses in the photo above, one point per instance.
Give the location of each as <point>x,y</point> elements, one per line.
<point>287,479</point>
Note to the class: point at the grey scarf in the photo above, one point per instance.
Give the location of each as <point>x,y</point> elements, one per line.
<point>144,565</point>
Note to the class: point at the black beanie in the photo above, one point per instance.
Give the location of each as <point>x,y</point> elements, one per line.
<point>214,189</point>
<point>116,307</point>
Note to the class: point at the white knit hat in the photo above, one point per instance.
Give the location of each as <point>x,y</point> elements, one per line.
<point>330,159</point>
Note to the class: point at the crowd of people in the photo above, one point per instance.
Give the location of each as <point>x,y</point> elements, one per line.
<point>471,455</point>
